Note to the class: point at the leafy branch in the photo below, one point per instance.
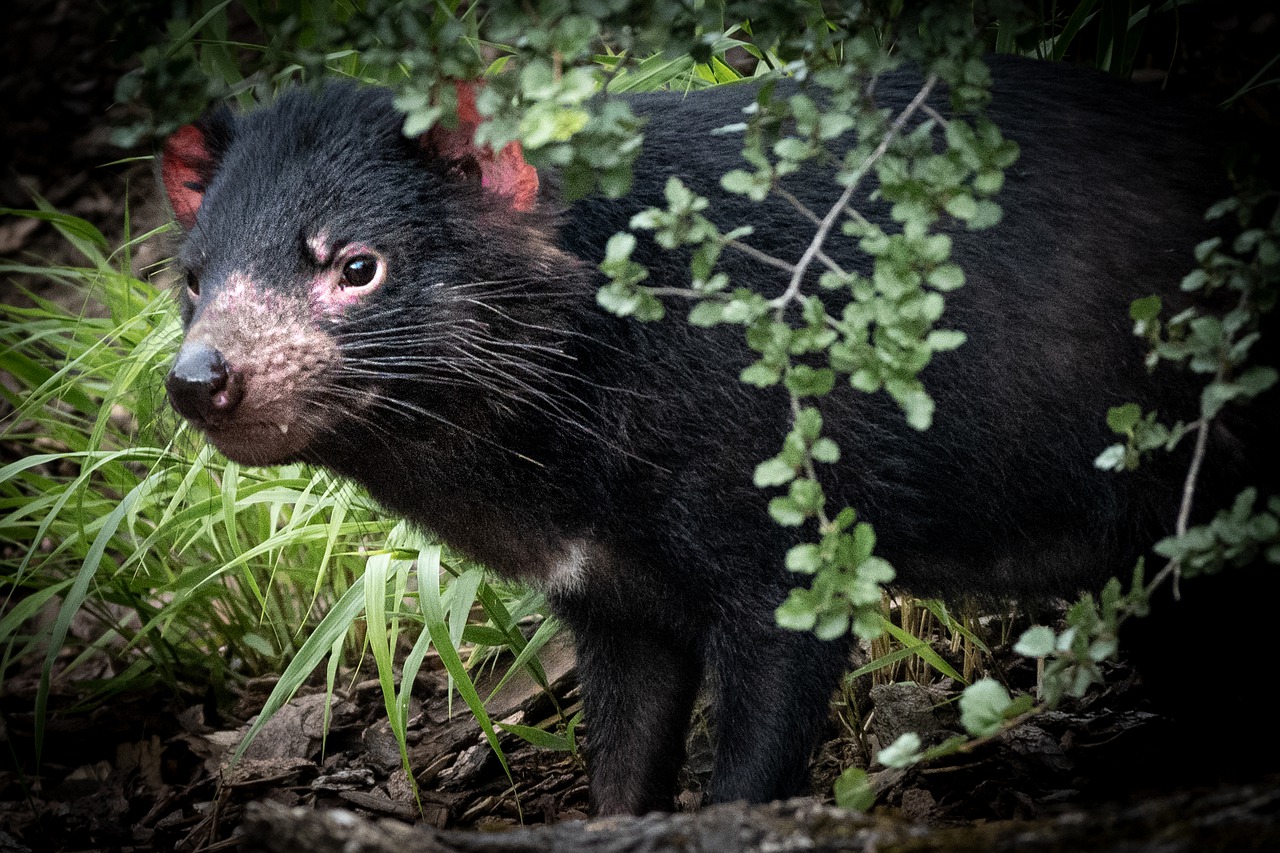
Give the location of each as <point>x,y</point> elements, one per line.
<point>883,333</point>
<point>1218,346</point>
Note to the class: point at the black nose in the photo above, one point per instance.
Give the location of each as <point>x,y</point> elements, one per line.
<point>202,387</point>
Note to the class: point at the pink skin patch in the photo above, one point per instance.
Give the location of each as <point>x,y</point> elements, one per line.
<point>281,360</point>
<point>254,310</point>
<point>238,285</point>
<point>319,246</point>
<point>264,337</point>
<point>331,293</point>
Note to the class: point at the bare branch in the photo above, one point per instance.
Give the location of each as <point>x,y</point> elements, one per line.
<point>780,303</point>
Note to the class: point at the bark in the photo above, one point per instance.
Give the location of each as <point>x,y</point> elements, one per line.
<point>1242,817</point>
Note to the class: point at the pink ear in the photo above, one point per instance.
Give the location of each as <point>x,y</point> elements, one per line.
<point>505,173</point>
<point>185,167</point>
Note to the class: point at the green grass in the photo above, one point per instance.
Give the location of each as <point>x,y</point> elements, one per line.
<point>194,572</point>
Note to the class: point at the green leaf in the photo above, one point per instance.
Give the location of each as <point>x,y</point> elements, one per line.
<point>318,645</point>
<point>982,707</point>
<point>1145,309</point>
<point>946,277</point>
<point>1114,458</point>
<point>1103,648</point>
<point>773,472</point>
<point>1256,379</point>
<point>432,604</point>
<point>805,381</point>
<point>865,381</point>
<point>1195,280</point>
<point>649,309</point>
<point>1216,395</point>
<point>1036,642</point>
<point>988,182</point>
<point>1122,419</point>
<point>831,624</point>
<point>916,404</point>
<point>962,207</point>
<point>792,149</point>
<point>807,494</point>
<point>987,215</point>
<point>825,450</point>
<point>620,301</point>
<point>75,599</point>
<point>538,737</point>
<point>620,246</point>
<point>787,512</point>
<point>805,558</point>
<point>920,648</point>
<point>795,613</point>
<point>707,314</point>
<point>942,340</point>
<point>808,424</point>
<point>1021,704</point>
<point>904,751</point>
<point>750,184</point>
<point>75,229</point>
<point>852,790</point>
<point>760,375</point>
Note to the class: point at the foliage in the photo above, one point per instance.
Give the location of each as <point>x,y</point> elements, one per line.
<point>120,519</point>
<point>885,334</point>
<point>550,51</point>
<point>1215,345</point>
<point>1243,276</point>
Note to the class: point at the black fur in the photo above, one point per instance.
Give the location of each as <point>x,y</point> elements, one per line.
<point>482,394</point>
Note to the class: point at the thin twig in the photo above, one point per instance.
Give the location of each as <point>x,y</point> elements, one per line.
<point>684,293</point>
<point>829,263</point>
<point>803,210</point>
<point>857,217</point>
<point>1174,566</point>
<point>814,249</point>
<point>760,256</point>
<point>935,115</point>
<point>801,207</point>
<point>1193,471</point>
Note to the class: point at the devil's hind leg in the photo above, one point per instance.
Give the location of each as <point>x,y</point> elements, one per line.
<point>638,685</point>
<point>773,689</point>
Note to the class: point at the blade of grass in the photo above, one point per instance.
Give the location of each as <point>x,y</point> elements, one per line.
<point>327,636</point>
<point>919,647</point>
<point>71,604</point>
<point>433,610</point>
<point>181,41</point>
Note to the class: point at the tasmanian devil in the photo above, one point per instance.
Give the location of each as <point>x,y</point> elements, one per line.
<point>419,315</point>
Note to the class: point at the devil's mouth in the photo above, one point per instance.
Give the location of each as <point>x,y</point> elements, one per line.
<point>258,443</point>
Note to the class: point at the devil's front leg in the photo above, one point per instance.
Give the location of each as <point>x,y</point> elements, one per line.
<point>639,682</point>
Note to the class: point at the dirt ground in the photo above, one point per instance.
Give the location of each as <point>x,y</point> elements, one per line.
<point>152,772</point>
<point>155,771</point>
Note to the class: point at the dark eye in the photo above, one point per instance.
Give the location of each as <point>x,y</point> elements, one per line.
<point>359,271</point>
<point>193,284</point>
